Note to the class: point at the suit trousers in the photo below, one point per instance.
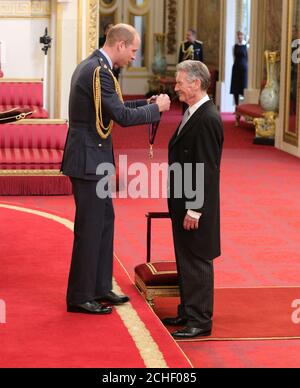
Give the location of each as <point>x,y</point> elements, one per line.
<point>196,279</point>
<point>92,258</point>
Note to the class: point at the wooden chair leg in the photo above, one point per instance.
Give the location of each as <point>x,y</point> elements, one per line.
<point>150,300</point>
<point>237,120</point>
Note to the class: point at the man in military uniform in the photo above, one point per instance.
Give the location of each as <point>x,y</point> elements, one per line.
<point>95,103</point>
<point>191,48</point>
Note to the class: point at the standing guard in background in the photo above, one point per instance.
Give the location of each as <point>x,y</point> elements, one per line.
<point>239,79</point>
<point>191,48</point>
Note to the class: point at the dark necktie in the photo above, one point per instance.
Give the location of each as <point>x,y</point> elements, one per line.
<point>185,119</point>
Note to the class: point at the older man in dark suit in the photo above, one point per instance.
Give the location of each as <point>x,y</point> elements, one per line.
<point>95,103</point>
<point>196,226</point>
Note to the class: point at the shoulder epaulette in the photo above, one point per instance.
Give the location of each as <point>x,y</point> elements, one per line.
<point>103,64</point>
<point>199,41</point>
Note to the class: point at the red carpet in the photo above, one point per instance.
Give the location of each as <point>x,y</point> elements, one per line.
<point>239,354</point>
<point>246,314</point>
<point>39,333</point>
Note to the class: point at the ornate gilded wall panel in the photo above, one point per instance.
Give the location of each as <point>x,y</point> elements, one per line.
<point>171,25</point>
<point>138,15</point>
<point>209,29</point>
<point>92,25</point>
<point>273,22</point>
<point>108,13</point>
<point>292,81</point>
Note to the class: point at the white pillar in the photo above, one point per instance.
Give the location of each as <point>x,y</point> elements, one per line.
<point>45,83</point>
<point>228,32</point>
<point>282,141</point>
<point>256,50</point>
<point>65,61</point>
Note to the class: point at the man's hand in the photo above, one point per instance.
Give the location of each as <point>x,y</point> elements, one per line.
<point>190,223</point>
<point>163,101</point>
<point>152,100</point>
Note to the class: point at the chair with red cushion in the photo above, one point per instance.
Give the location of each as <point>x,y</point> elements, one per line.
<point>31,153</point>
<point>22,94</point>
<point>249,111</point>
<point>156,278</point>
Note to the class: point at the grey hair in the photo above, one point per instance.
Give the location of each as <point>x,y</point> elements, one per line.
<point>196,70</point>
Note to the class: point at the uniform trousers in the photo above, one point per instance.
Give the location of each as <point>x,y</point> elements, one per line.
<point>196,279</point>
<point>92,258</point>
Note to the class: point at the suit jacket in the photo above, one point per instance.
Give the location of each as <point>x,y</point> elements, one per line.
<point>197,51</point>
<point>200,141</point>
<point>85,149</point>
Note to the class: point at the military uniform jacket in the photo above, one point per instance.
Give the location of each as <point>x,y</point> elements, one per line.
<point>196,53</point>
<point>85,149</point>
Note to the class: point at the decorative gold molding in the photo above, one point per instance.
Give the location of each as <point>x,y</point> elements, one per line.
<point>79,31</point>
<point>154,271</point>
<point>265,127</point>
<point>135,76</point>
<point>172,25</point>
<point>222,45</point>
<point>288,136</point>
<point>92,25</point>
<point>30,173</point>
<point>25,9</point>
<point>58,60</point>
<point>143,5</point>
<point>212,339</point>
<point>151,292</point>
<point>31,80</point>
<point>39,121</point>
<point>143,11</point>
<point>106,5</point>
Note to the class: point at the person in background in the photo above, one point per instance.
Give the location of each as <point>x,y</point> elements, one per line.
<point>191,48</point>
<point>102,40</point>
<point>106,30</point>
<point>239,80</point>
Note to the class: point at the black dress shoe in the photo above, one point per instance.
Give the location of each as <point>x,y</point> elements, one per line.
<point>114,299</point>
<point>191,332</point>
<point>178,321</point>
<point>89,308</point>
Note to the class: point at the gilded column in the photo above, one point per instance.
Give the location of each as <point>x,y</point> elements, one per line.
<point>256,51</point>
<point>92,25</point>
<point>239,15</point>
<point>172,23</point>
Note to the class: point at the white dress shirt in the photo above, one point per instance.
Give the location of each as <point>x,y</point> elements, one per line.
<point>108,58</point>
<point>195,107</point>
